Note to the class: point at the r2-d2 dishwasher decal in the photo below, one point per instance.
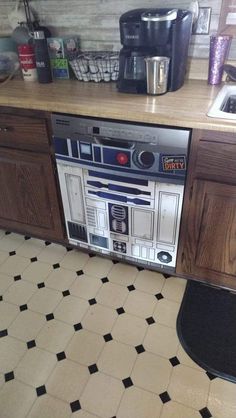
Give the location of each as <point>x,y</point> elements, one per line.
<point>122,198</point>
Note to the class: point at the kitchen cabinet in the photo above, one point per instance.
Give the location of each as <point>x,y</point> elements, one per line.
<point>207,245</point>
<point>29,201</point>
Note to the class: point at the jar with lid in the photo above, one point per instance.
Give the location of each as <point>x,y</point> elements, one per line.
<point>27,62</point>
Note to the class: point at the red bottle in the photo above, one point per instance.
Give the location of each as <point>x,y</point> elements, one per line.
<point>27,62</point>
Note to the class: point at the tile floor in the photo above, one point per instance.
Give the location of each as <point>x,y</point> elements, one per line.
<point>84,337</point>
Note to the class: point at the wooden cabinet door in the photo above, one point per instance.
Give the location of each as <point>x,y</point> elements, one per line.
<point>29,202</point>
<point>208,240</point>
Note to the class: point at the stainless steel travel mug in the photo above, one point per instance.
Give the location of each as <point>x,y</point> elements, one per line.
<point>157,69</point>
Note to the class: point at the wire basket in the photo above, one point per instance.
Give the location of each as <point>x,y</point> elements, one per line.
<point>96,66</point>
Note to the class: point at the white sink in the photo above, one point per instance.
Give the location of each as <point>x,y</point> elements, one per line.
<point>219,107</point>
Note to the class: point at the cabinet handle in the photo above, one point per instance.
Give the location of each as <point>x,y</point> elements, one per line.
<point>5,129</point>
<point>191,193</point>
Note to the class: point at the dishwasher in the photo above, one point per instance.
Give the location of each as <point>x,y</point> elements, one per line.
<point>122,187</point>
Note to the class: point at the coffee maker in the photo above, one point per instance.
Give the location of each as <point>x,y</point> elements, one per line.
<point>153,32</point>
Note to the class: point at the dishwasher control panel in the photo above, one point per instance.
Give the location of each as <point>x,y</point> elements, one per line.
<point>149,151</point>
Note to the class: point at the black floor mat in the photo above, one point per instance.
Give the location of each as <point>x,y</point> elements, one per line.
<point>206,327</point>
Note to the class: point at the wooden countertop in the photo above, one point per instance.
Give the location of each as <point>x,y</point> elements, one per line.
<point>187,107</point>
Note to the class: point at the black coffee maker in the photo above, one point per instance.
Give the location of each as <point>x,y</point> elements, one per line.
<point>153,32</point>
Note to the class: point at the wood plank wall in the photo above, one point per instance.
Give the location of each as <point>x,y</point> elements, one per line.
<point>97,21</point>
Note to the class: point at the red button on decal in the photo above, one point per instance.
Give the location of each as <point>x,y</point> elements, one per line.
<point>122,158</point>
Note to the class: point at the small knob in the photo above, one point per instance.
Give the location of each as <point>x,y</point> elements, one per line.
<point>144,159</point>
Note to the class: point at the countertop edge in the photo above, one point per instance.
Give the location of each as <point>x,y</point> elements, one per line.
<point>103,101</point>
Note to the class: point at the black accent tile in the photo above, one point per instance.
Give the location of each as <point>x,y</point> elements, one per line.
<point>174,361</point>
<point>61,356</point>
<point>211,376</point>
<point>140,349</point>
<point>41,390</point>
<point>33,259</point>
<point>150,320</point>
<point>18,277</point>
<point>79,272</point>
<point>7,232</point>
<point>91,255</point>
<point>47,243</point>
<point>140,268</point>
<point>56,266</point>
<point>49,316</point>
<point>9,376</point>
<point>205,413</point>
<point>11,253</point>
<point>92,301</point>
<point>107,337</point>
<point>115,261</point>
<point>23,307</point>
<point>159,296</point>
<point>75,406</point>
<point>0,298</point>
<point>78,327</point>
<point>93,368</point>
<point>165,397</point>
<point>68,249</point>
<point>31,344</point>
<point>127,382</point>
<point>104,280</point>
<point>120,311</point>
<point>3,333</point>
<point>41,285</point>
<point>27,238</point>
<point>66,293</point>
<point>166,275</point>
<point>131,287</point>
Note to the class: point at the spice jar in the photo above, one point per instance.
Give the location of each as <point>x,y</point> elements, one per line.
<point>27,62</point>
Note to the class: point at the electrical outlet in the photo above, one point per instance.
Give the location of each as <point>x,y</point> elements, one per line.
<point>202,25</point>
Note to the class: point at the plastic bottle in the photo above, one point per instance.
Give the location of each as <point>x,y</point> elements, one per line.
<point>27,62</point>
<point>42,58</point>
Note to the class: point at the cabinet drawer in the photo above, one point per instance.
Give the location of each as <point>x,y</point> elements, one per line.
<point>216,161</point>
<point>217,136</point>
<point>23,132</point>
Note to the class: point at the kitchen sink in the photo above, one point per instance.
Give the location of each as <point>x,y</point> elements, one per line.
<point>224,105</point>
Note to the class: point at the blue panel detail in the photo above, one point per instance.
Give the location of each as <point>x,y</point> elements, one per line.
<point>60,146</point>
<point>124,171</point>
<point>109,157</point>
<point>120,198</point>
<point>118,178</point>
<point>74,149</point>
<point>98,241</point>
<point>97,154</point>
